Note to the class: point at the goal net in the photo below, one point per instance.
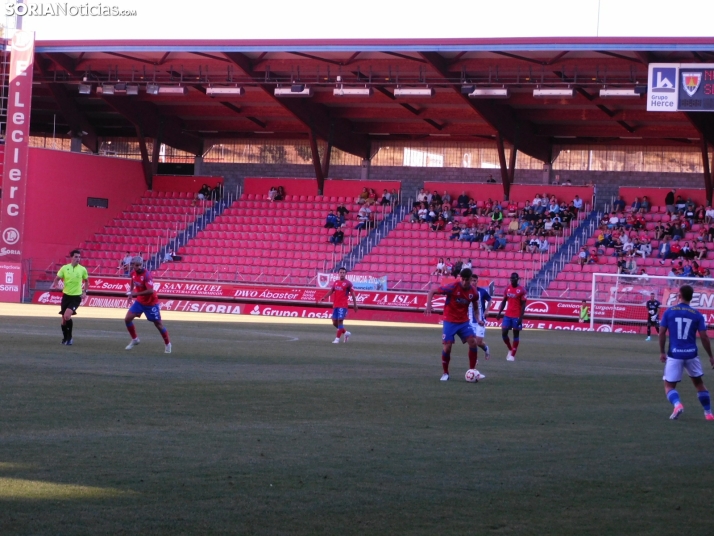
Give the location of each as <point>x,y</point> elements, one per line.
<point>618,302</point>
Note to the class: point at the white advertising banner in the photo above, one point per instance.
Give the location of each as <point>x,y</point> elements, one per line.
<point>662,87</point>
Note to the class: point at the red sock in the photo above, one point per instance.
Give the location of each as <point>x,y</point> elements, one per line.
<point>164,334</point>
<point>515,347</point>
<point>340,332</point>
<point>473,357</point>
<point>507,341</point>
<point>445,358</point>
<point>131,329</point>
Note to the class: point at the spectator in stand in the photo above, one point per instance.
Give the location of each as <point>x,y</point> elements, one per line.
<point>490,179</point>
<point>488,243</point>
<point>463,200</point>
<point>700,214</point>
<point>630,267</point>
<point>512,209</point>
<point>675,249</point>
<point>365,217</point>
<point>423,213</point>
<point>701,250</point>
<point>553,206</point>
<point>501,241</point>
<point>446,212</point>
<point>636,205</point>
<point>436,198</point>
<point>204,193</point>
<point>125,263</point>
<point>446,198</point>
<point>658,232</point>
<point>513,226</point>
<point>567,183</point>
<point>689,215</point>
<point>645,248</point>
<point>421,196</point>
<point>169,255</point>
<point>414,215</point>
<point>497,216</point>
<point>582,257</point>
<point>613,222</point>
<point>487,209</point>
<point>342,214</point>
<point>533,245</point>
<point>620,262</point>
<point>619,205</point>
<point>465,235</point>
<point>272,193</point>
<point>280,196</point>
<point>687,251</point>
<point>669,201</point>
<point>395,196</point>
<point>386,198</point>
<point>577,203</point>
<point>664,250</point>
<point>332,221</point>
<point>537,204</point>
<point>594,257</point>
<point>467,264</point>
<point>544,246</point>
<point>645,205</point>
<point>440,267</point>
<point>363,196</point>
<point>438,224</point>
<point>217,192</point>
<point>455,232</point>
<point>472,209</point>
<point>448,265</point>
<point>338,237</point>
<point>372,200</point>
<point>680,205</point>
<point>709,215</point>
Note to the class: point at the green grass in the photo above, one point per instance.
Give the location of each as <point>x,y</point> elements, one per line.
<point>259,429</point>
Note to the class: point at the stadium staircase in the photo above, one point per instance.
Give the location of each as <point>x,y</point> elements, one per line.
<point>369,241</point>
<point>208,216</point>
<point>258,241</point>
<point>551,269</point>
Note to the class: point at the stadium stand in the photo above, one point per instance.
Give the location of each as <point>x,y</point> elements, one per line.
<point>256,240</point>
<point>145,227</point>
<point>408,255</point>
<point>575,279</point>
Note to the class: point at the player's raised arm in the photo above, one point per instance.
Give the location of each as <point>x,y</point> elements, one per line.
<point>524,303</point>
<point>326,295</point>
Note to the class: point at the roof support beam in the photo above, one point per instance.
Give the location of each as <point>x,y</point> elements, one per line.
<point>146,115</point>
<point>316,163</point>
<point>707,171</point>
<point>78,122</point>
<point>500,116</point>
<point>315,117</point>
<point>704,123</point>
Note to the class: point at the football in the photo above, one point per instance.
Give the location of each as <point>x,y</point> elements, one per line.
<point>473,375</point>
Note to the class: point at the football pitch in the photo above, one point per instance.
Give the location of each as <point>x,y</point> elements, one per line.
<point>260,428</point>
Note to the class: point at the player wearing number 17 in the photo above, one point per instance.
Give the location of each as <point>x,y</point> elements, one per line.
<point>683,321</point>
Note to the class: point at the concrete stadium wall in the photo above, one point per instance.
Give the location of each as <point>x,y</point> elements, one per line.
<point>413,178</point>
<point>59,183</point>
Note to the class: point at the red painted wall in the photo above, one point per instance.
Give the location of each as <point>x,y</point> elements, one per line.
<point>481,191</point>
<point>657,195</point>
<point>333,187</point>
<point>59,182</point>
<point>183,183</point>
<point>352,188</point>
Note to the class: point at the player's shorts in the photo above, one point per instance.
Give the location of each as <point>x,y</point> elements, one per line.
<point>152,312</point>
<point>339,313</point>
<point>70,302</point>
<point>652,323</point>
<point>510,322</point>
<point>463,330</point>
<point>673,369</point>
<point>479,331</point>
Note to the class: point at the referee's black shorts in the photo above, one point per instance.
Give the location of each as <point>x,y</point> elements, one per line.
<point>70,302</point>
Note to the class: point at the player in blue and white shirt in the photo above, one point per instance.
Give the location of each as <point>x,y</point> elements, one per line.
<point>479,324</point>
<point>683,322</point>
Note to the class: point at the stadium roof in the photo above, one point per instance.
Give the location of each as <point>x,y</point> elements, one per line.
<point>351,122</point>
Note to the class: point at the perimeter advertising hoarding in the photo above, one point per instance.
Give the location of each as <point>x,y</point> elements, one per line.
<point>17,140</point>
<point>311,312</point>
<point>10,282</point>
<point>680,87</point>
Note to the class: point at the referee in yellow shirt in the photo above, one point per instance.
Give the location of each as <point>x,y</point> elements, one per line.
<point>76,283</point>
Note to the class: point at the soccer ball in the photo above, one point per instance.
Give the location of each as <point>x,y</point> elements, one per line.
<point>473,375</point>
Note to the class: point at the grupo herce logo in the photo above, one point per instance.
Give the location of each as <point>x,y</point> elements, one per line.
<point>11,236</point>
<point>665,79</point>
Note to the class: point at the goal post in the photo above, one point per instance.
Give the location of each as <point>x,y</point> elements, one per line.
<point>619,300</point>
